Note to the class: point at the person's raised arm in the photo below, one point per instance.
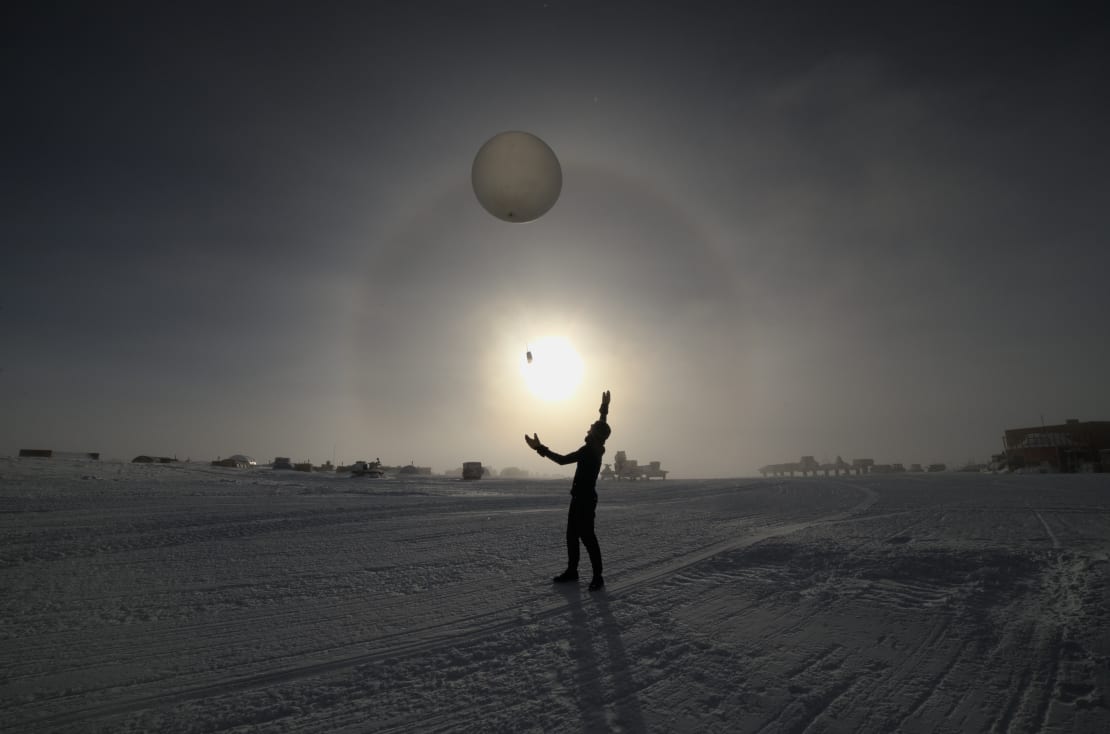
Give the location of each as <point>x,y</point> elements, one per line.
<point>604,409</point>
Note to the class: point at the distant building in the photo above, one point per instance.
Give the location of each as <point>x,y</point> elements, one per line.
<point>472,470</point>
<point>626,468</point>
<point>863,466</point>
<point>236,461</point>
<point>780,470</point>
<point>807,466</point>
<point>1068,447</point>
<point>371,469</point>
<point>835,467</point>
<point>231,463</point>
<point>52,454</point>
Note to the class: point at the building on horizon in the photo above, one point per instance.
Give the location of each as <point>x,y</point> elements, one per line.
<point>1071,446</point>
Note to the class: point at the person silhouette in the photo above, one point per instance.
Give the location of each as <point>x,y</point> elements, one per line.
<point>583,494</point>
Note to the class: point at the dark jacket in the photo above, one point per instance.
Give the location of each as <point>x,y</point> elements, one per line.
<point>588,459</point>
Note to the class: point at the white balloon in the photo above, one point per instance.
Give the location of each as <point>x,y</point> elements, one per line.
<point>516,176</point>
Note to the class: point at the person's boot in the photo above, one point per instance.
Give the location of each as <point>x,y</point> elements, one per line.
<point>565,576</point>
<point>597,583</point>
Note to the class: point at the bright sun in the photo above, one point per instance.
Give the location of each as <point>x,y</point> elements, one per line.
<point>555,370</point>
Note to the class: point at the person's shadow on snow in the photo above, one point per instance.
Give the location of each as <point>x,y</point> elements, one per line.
<point>606,693</point>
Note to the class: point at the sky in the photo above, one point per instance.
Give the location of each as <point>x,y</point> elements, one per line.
<point>785,229</point>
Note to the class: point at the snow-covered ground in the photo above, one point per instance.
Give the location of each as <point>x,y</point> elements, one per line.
<point>188,598</point>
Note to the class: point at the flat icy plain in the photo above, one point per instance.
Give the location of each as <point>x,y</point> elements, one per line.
<point>184,598</point>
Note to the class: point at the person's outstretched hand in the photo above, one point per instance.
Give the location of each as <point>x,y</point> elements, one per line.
<point>533,441</point>
<point>605,403</point>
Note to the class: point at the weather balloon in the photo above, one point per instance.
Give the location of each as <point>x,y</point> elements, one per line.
<point>516,176</point>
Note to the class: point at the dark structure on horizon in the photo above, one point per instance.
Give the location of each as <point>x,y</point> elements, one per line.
<point>808,465</point>
<point>630,469</point>
<point>52,454</point>
<point>144,459</point>
<point>1071,446</point>
<point>1068,447</point>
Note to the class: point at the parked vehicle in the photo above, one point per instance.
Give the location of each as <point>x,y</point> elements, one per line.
<point>369,469</point>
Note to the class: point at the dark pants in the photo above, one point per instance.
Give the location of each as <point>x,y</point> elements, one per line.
<point>580,526</point>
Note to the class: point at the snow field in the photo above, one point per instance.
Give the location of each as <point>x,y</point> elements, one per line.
<point>187,598</point>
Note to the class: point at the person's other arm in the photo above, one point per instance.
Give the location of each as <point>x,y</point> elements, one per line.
<point>534,443</point>
<point>570,458</point>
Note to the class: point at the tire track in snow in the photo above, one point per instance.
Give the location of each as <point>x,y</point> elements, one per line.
<point>428,638</point>
<point>929,690</point>
<point>1019,692</point>
<point>1052,682</point>
<point>765,533</point>
<point>820,688</point>
<point>829,696</point>
<point>1047,529</point>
